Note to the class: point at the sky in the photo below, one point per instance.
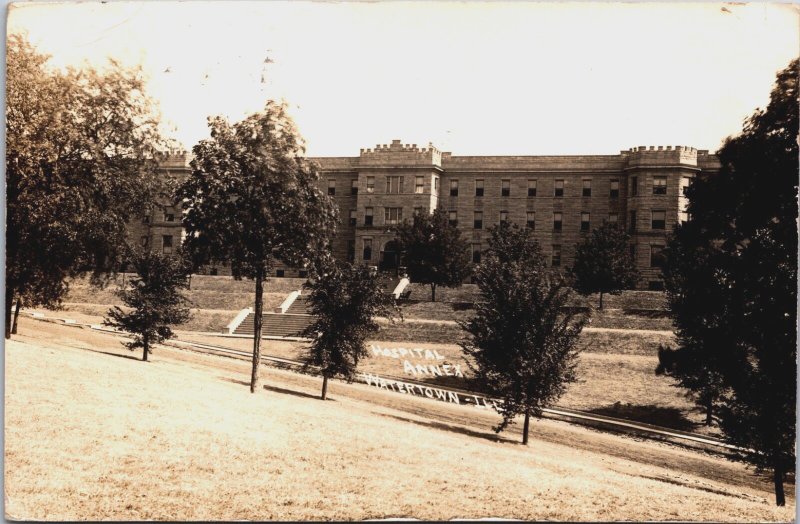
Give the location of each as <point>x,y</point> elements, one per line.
<point>473,78</point>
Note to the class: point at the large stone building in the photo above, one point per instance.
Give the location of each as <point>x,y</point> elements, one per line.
<point>562,198</point>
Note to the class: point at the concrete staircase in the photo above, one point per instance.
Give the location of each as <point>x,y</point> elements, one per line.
<point>284,325</point>
<point>299,306</point>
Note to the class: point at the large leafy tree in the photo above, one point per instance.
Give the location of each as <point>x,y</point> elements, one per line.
<point>154,298</point>
<point>731,278</point>
<point>80,163</point>
<point>434,251</point>
<point>521,343</point>
<point>603,263</point>
<point>252,199</point>
<point>344,299</point>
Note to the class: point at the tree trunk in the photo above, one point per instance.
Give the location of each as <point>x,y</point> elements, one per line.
<point>324,387</point>
<point>525,428</point>
<point>16,316</point>
<point>780,498</point>
<point>709,412</point>
<point>601,300</point>
<point>9,301</point>
<point>146,345</point>
<point>258,322</point>
<point>433,292</point>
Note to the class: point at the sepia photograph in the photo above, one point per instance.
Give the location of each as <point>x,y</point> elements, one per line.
<point>401,260</point>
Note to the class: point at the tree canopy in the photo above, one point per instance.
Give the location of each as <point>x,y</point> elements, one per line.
<point>252,199</point>
<point>434,251</point>
<point>81,149</point>
<point>155,300</point>
<point>521,342</point>
<point>731,279</point>
<point>603,263</point>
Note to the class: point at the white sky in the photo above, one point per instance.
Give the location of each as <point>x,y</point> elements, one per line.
<point>473,78</point>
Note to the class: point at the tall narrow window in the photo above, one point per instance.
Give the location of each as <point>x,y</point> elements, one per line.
<point>394,184</point>
<point>453,218</point>
<point>418,185</point>
<point>614,193</point>
<point>532,188</point>
<point>557,222</point>
<point>505,188</point>
<point>632,222</point>
<point>166,244</point>
<point>351,250</point>
<point>143,241</point>
<point>656,257</point>
<point>556,260</point>
<point>436,185</point>
<point>454,188</point>
<point>531,220</point>
<point>587,187</point>
<point>477,221</point>
<point>503,217</point>
<point>370,184</point>
<point>685,181</point>
<point>393,215</point>
<point>331,186</point>
<point>659,219</point>
<point>367,254</point>
<point>660,185</point>
<point>479,187</point>
<point>476,253</point>
<point>368,216</point>
<point>354,186</point>
<point>558,189</point>
<point>633,186</point>
<point>585,224</point>
<point>417,210</point>
<point>352,218</point>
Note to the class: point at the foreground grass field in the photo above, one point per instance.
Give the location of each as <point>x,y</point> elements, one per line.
<point>93,434</point>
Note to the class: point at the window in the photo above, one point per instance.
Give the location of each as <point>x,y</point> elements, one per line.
<point>683,216</point>
<point>352,218</point>
<point>394,184</point>
<point>659,219</point>
<point>331,186</point>
<point>419,185</point>
<point>685,181</point>
<point>505,188</point>
<point>479,187</point>
<point>656,257</point>
<point>587,187</point>
<point>476,253</point>
<point>634,186</point>
<point>660,185</point>
<point>436,185</point>
<point>613,218</point>
<point>166,243</point>
<point>557,223</point>
<point>392,215</point>
<point>351,250</point>
<point>584,221</point>
<point>532,188</point>
<point>632,222</point>
<point>143,241</point>
<point>146,218</point>
<point>477,221</point>
<point>454,188</point>
<point>614,193</point>
<point>417,210</point>
<point>354,186</point>
<point>531,220</point>
<point>368,216</point>
<point>367,249</point>
<point>559,188</point>
<point>556,260</point>
<point>279,273</point>
<point>169,217</point>
<point>503,217</point>
<point>453,218</point>
<point>370,184</point>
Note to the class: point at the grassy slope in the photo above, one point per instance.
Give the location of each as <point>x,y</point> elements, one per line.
<point>91,435</point>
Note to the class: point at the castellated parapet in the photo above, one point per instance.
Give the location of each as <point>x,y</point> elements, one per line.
<point>398,154</point>
<point>661,156</point>
<point>173,158</point>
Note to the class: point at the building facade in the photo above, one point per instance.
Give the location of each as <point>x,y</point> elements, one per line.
<point>562,198</point>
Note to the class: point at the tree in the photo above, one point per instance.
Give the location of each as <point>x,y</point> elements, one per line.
<point>731,280</point>
<point>603,263</point>
<point>522,340</point>
<point>434,251</point>
<point>344,299</point>
<point>251,199</point>
<point>80,163</point>
<point>154,298</point>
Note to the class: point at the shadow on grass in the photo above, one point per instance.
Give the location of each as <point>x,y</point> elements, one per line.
<point>130,357</point>
<point>647,313</point>
<point>649,414</point>
<point>276,389</point>
<point>492,437</point>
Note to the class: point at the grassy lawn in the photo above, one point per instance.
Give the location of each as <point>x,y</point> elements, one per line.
<point>92,434</point>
